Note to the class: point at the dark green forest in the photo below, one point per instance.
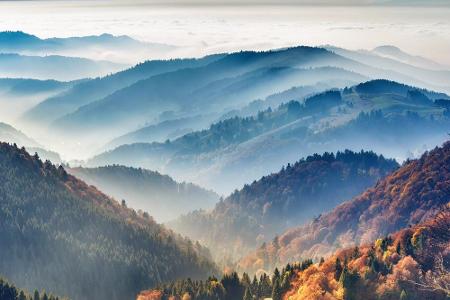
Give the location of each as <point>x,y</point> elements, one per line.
<point>231,286</point>
<point>60,234</point>
<point>9,291</point>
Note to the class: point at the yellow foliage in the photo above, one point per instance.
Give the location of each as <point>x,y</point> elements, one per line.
<point>186,296</point>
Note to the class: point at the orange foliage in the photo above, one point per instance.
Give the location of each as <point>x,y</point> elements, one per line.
<point>395,271</point>
<point>150,295</point>
<point>410,195</point>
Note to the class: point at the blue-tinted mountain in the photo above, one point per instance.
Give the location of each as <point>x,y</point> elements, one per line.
<point>162,131</point>
<point>11,135</point>
<point>91,90</point>
<point>87,46</point>
<point>20,86</point>
<point>401,70</point>
<point>415,60</point>
<point>208,88</point>
<point>17,95</point>
<point>280,200</point>
<point>159,195</point>
<point>240,150</point>
<point>57,67</point>
<point>64,236</point>
<point>228,83</point>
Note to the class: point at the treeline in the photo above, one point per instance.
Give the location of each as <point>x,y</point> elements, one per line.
<point>230,286</point>
<point>239,129</point>
<point>10,292</point>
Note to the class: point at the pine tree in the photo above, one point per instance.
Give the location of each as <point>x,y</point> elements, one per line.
<point>248,294</point>
<point>276,291</point>
<point>276,275</point>
<point>36,295</point>
<point>338,269</point>
<point>22,296</point>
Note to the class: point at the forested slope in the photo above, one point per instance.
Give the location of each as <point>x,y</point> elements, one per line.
<point>408,196</point>
<point>62,235</point>
<point>281,200</point>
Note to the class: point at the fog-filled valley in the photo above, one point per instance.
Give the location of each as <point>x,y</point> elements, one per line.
<point>292,167</point>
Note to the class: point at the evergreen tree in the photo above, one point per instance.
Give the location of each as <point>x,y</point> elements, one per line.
<point>276,291</point>
<point>22,296</point>
<point>276,275</point>
<point>338,269</point>
<point>248,294</point>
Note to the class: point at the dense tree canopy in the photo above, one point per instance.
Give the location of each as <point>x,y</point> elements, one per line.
<point>297,193</point>
<point>59,234</point>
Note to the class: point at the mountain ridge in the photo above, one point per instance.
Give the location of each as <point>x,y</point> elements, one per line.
<point>409,195</point>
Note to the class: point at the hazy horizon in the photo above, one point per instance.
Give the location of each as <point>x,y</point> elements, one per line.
<point>205,29</point>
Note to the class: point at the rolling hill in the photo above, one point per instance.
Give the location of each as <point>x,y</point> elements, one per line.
<point>415,60</point>
<point>398,65</point>
<point>231,82</point>
<point>11,135</point>
<point>278,201</point>
<point>18,95</point>
<point>381,115</point>
<point>101,110</point>
<point>122,49</point>
<point>54,67</point>
<point>98,88</point>
<point>148,98</point>
<point>409,264</point>
<point>410,195</point>
<point>64,236</point>
<point>159,195</point>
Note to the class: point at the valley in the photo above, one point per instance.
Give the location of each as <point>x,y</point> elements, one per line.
<point>206,150</point>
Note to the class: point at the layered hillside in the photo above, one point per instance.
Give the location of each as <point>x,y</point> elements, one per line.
<point>380,115</point>
<point>410,264</point>
<point>231,81</point>
<point>118,48</point>
<point>159,195</point>
<point>12,135</point>
<point>55,67</point>
<point>61,235</point>
<point>95,89</point>
<point>408,196</point>
<point>281,200</point>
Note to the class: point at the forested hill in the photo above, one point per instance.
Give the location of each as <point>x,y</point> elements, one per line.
<point>292,196</point>
<point>410,264</point>
<point>159,195</point>
<point>409,195</point>
<point>61,235</point>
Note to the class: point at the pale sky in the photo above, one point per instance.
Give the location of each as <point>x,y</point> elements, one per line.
<point>203,29</point>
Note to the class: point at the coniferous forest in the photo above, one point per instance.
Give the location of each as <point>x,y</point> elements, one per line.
<point>225,150</point>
